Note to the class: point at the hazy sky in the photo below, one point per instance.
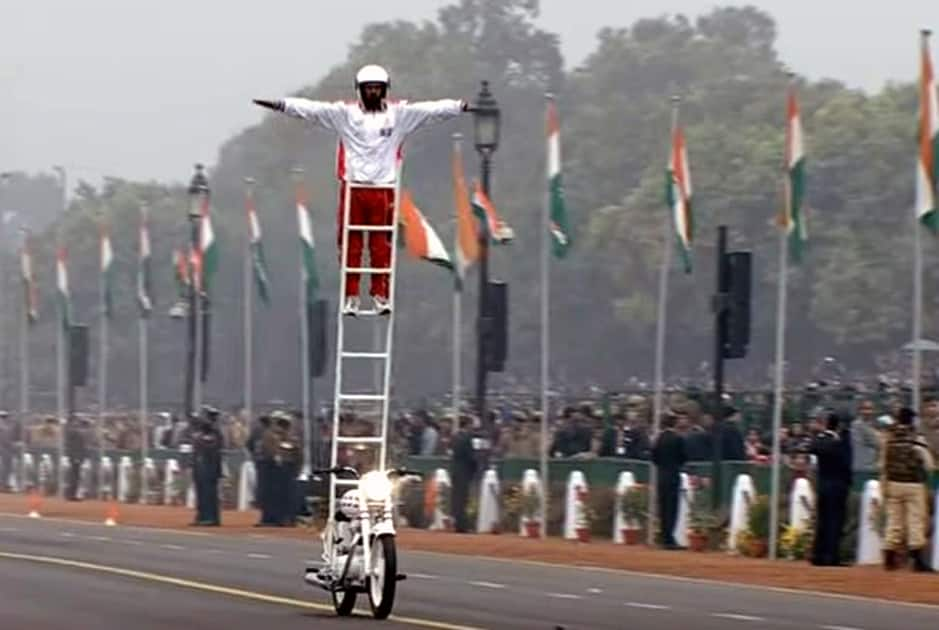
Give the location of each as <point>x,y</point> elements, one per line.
<point>144,88</point>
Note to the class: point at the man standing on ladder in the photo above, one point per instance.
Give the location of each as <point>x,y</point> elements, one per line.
<point>371,133</point>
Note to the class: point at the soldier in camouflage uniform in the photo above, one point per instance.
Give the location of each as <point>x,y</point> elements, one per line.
<point>905,466</point>
<point>282,448</point>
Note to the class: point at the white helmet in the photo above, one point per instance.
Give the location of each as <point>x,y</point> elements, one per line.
<point>372,74</point>
<point>349,504</point>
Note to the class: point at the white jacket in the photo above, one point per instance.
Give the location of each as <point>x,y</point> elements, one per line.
<point>370,142</point>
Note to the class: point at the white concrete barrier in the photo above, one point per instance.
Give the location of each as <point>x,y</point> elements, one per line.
<point>490,499</point>
<point>46,473</point>
<point>743,496</point>
<point>573,508</point>
<point>247,484</point>
<point>531,483</point>
<point>27,473</point>
<point>685,497</point>
<point>625,481</point>
<point>124,472</point>
<point>442,516</point>
<point>170,477</point>
<point>869,541</point>
<point>85,479</point>
<point>149,476</point>
<point>801,503</point>
<point>106,479</point>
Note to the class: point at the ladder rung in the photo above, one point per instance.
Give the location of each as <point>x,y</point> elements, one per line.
<point>362,397</point>
<point>347,482</point>
<point>364,355</point>
<point>359,440</point>
<point>371,228</point>
<point>373,270</point>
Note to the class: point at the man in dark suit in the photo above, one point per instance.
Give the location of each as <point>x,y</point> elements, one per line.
<point>831,445</point>
<point>462,470</point>
<point>207,468</point>
<point>668,455</point>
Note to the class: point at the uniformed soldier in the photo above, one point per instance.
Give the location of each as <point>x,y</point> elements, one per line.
<point>207,468</point>
<point>905,466</point>
<point>668,455</point>
<point>831,445</point>
<point>76,451</point>
<point>282,450</point>
<point>264,464</point>
<point>463,467</point>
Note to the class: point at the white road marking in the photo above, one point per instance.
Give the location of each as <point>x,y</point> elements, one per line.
<point>68,534</point>
<point>648,606</point>
<point>173,547</point>
<point>422,576</point>
<point>594,591</point>
<point>564,596</point>
<point>100,538</point>
<point>487,584</point>
<point>212,551</point>
<point>737,617</point>
<point>130,542</point>
<point>839,628</point>
<point>260,556</point>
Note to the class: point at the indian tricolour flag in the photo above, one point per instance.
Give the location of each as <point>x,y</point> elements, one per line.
<point>793,217</point>
<point>678,194</point>
<point>107,268</point>
<point>307,247</point>
<point>30,294</point>
<point>61,283</point>
<point>258,262</point>
<point>467,240</point>
<point>208,249</point>
<point>419,236</point>
<point>489,220</point>
<point>927,166</point>
<point>559,227</point>
<point>144,298</point>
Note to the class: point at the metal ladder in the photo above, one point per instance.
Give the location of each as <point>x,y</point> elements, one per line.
<point>342,398</point>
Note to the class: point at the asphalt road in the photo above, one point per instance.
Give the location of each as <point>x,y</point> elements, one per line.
<point>57,574</point>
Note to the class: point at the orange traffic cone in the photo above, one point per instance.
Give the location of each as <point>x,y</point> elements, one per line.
<point>35,502</point>
<point>111,519</point>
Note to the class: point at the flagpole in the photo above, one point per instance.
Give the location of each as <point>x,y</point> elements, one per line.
<point>144,393</point>
<point>103,348</point>
<point>457,305</point>
<point>24,331</point>
<point>778,388</point>
<point>198,277</point>
<point>304,354</point>
<point>545,338</point>
<point>60,341</point>
<point>248,314</point>
<point>917,310</point>
<point>660,328</point>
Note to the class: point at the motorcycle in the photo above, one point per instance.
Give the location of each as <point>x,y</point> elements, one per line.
<point>359,552</point>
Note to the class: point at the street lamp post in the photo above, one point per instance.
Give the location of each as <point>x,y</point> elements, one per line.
<point>486,119</point>
<point>198,193</point>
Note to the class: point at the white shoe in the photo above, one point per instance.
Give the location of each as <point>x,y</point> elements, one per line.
<point>351,307</point>
<point>382,305</point>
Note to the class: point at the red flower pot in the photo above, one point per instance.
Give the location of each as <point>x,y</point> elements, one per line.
<point>631,536</point>
<point>698,541</point>
<point>583,534</point>
<point>759,548</point>
<point>532,529</point>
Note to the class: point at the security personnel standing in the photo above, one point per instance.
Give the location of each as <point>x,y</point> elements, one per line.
<point>668,455</point>
<point>207,468</point>
<point>462,470</point>
<point>905,465</point>
<point>76,451</point>
<point>281,450</point>
<point>833,452</point>
<point>263,451</point>
<point>288,458</point>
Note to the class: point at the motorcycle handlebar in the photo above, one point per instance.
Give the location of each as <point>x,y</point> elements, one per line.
<point>338,470</point>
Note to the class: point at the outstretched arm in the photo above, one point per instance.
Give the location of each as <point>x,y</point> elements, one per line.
<point>320,113</point>
<point>413,116</point>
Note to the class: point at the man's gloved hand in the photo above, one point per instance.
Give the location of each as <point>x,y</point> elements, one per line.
<point>275,105</point>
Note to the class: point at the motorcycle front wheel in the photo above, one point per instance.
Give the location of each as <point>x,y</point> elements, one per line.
<point>343,602</point>
<point>382,577</point>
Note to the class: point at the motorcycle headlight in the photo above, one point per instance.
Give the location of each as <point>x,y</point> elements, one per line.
<point>376,486</point>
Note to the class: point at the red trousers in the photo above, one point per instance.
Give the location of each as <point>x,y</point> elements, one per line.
<point>367,206</point>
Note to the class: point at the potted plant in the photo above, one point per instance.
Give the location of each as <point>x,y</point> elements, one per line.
<point>701,518</point>
<point>530,505</point>
<point>758,526</point>
<point>634,508</point>
<point>584,515</point>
